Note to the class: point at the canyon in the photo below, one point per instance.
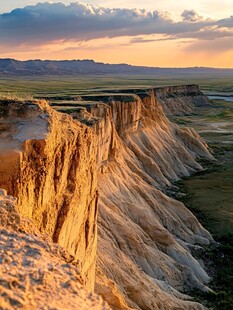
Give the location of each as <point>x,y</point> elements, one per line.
<point>94,178</point>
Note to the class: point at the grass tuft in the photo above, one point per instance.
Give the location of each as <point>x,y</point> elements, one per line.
<point>16,96</point>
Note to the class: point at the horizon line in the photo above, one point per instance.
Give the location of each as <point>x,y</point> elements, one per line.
<point>106,63</point>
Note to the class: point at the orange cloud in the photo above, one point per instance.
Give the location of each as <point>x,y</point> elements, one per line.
<point>77,31</point>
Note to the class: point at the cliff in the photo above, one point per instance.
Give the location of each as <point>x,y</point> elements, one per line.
<point>36,273</point>
<point>145,237</point>
<point>181,99</point>
<point>52,162</point>
<point>48,162</point>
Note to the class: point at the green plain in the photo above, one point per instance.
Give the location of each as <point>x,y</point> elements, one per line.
<point>54,85</point>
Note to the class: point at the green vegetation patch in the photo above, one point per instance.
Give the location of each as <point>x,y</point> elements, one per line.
<point>68,87</point>
<point>209,195</point>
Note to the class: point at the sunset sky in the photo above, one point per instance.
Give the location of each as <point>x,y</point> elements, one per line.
<point>165,33</point>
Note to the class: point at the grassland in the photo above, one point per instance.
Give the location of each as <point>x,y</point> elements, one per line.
<point>71,86</point>
<point>209,196</point>
<point>210,192</point>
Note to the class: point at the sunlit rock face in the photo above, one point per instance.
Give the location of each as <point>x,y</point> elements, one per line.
<point>145,237</point>
<point>48,161</point>
<point>36,273</point>
<point>125,145</point>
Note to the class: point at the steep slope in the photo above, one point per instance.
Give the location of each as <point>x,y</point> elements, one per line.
<point>180,99</point>
<point>48,162</point>
<point>35,273</point>
<point>145,237</point>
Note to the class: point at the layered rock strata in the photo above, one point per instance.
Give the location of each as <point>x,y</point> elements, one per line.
<point>181,99</point>
<point>48,161</point>
<point>175,100</point>
<point>36,273</point>
<point>145,237</point>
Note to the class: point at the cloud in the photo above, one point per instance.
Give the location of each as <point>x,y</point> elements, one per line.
<point>191,16</point>
<point>148,39</point>
<point>227,22</point>
<point>46,23</point>
<point>214,47</point>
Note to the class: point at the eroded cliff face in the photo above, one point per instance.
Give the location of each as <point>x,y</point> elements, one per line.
<point>181,99</point>
<point>36,273</point>
<point>48,161</point>
<point>145,237</point>
<point>52,162</point>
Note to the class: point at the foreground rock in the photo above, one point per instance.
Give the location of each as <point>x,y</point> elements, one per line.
<point>48,161</point>
<point>34,272</point>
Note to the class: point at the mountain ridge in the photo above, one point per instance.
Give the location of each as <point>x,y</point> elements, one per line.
<point>12,67</point>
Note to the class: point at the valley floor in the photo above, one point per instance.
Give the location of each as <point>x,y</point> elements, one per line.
<point>209,196</point>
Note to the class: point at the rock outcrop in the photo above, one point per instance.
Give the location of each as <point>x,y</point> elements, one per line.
<point>50,162</point>
<point>181,99</point>
<point>36,273</point>
<point>145,237</point>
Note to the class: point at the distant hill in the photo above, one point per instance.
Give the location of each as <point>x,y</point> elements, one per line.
<point>12,67</point>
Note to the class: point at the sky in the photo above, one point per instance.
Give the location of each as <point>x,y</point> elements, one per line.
<point>164,33</point>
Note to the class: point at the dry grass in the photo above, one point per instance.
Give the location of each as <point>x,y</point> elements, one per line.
<point>16,96</point>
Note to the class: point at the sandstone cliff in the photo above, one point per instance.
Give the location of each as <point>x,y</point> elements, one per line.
<point>34,272</point>
<point>181,99</point>
<point>50,162</point>
<point>145,237</point>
